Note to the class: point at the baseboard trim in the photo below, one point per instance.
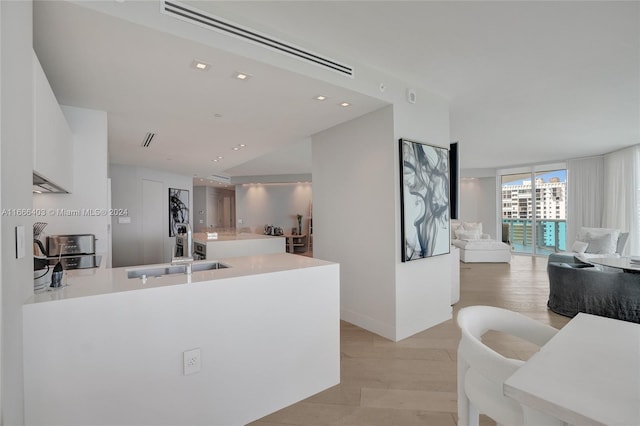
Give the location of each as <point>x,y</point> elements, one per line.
<point>409,330</point>
<point>385,330</point>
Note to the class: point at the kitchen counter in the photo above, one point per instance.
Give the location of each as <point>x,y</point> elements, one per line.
<point>99,281</point>
<point>201,237</point>
<point>242,244</point>
<point>109,350</point>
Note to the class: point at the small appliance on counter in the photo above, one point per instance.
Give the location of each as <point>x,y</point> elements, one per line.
<point>48,265</point>
<point>41,273</point>
<point>75,251</point>
<point>71,245</point>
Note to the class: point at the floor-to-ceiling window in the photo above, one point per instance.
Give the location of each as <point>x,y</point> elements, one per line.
<point>534,205</point>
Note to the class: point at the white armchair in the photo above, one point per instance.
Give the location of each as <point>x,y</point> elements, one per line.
<point>482,371</point>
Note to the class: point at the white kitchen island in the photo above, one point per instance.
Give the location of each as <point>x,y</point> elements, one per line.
<point>108,350</point>
<point>241,244</point>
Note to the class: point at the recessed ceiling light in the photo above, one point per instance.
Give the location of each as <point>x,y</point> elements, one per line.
<point>220,157</point>
<point>345,104</point>
<point>242,145</point>
<point>199,65</point>
<point>320,98</point>
<point>236,148</point>
<point>242,76</point>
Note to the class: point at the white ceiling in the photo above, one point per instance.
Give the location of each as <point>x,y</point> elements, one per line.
<point>528,82</point>
<point>144,80</point>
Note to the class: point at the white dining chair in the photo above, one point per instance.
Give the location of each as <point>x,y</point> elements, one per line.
<point>482,371</point>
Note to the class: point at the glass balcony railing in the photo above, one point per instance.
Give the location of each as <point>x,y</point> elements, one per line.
<point>551,235</point>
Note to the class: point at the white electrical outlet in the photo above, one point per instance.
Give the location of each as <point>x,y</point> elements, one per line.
<point>191,361</point>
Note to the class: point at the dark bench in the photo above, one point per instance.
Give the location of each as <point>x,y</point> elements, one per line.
<point>579,287</point>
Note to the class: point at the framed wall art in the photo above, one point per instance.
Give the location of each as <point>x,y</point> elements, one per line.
<point>178,209</point>
<point>424,200</point>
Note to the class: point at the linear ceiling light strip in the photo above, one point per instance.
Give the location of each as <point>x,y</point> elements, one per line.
<point>217,24</point>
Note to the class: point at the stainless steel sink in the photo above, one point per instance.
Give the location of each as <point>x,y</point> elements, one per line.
<point>173,269</point>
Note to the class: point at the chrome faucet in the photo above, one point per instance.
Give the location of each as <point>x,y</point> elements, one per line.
<point>187,257</point>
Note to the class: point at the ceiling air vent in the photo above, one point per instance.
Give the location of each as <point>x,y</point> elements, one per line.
<point>206,20</point>
<point>148,139</point>
<point>221,178</point>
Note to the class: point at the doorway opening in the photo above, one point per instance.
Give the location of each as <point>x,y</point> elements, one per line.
<point>534,207</point>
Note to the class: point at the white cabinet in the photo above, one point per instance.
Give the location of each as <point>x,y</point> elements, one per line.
<point>52,138</point>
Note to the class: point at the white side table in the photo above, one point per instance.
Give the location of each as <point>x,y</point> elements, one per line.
<point>587,374</point>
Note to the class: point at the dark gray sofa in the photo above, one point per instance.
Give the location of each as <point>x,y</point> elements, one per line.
<point>579,287</point>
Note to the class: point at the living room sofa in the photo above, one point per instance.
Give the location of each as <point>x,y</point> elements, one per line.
<point>478,247</point>
<point>580,287</point>
<point>584,247</point>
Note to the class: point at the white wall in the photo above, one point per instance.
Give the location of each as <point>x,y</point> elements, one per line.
<point>16,164</point>
<point>357,220</point>
<point>126,193</point>
<point>224,216</point>
<point>207,214</point>
<point>478,203</point>
<point>423,287</point>
<point>90,182</point>
<point>199,208</point>
<point>354,221</point>
<point>258,205</point>
<point>212,206</point>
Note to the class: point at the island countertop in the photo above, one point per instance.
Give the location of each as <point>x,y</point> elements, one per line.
<point>201,237</point>
<point>266,325</point>
<point>101,281</point>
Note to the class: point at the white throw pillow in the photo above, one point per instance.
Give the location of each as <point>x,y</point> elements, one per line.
<point>462,234</point>
<point>579,247</point>
<point>473,226</point>
<point>602,245</point>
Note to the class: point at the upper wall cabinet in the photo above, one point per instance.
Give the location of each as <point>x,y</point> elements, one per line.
<point>52,138</point>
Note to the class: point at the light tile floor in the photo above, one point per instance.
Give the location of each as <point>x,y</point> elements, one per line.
<point>413,382</point>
